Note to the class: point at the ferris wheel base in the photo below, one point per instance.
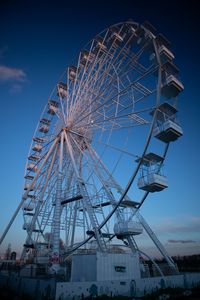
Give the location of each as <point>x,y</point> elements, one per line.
<point>100,266</point>
<point>38,288</point>
<point>129,288</point>
<point>96,274</point>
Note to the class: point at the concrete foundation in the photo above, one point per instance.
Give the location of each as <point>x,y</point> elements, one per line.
<point>137,287</point>
<point>50,289</point>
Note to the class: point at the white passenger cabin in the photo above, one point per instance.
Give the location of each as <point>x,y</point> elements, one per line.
<point>28,187</point>
<point>151,179</point>
<point>86,57</point>
<point>167,128</point>
<point>29,177</point>
<point>32,167</point>
<point>99,46</point>
<point>62,90</point>
<point>116,38</point>
<point>44,128</point>
<point>37,147</point>
<point>53,107</point>
<point>165,53</point>
<point>127,228</point>
<point>171,87</point>
<point>44,125</point>
<point>34,157</point>
<point>29,205</point>
<point>72,71</point>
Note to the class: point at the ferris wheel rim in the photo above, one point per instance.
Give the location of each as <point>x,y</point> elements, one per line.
<point>150,136</point>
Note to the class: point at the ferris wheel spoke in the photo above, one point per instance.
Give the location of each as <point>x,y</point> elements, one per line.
<point>63,115</point>
<point>48,177</point>
<point>79,100</point>
<point>86,202</point>
<point>144,94</point>
<point>105,179</point>
<point>119,149</point>
<point>74,220</point>
<point>43,206</point>
<point>129,117</point>
<point>40,204</point>
<point>94,61</point>
<point>40,181</point>
<point>111,64</point>
<point>86,181</point>
<point>76,91</point>
<point>108,100</point>
<point>57,209</point>
<point>40,168</point>
<point>102,178</point>
<point>109,177</point>
<point>91,101</point>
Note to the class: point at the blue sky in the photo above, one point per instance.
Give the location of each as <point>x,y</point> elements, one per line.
<point>38,39</point>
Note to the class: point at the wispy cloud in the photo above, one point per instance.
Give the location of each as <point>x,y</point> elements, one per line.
<point>8,74</point>
<point>181,241</point>
<point>180,236</point>
<point>189,224</point>
<point>15,88</point>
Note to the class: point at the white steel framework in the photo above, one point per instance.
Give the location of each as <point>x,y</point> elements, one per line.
<point>95,139</point>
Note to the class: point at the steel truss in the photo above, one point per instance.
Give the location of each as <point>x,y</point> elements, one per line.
<point>96,131</point>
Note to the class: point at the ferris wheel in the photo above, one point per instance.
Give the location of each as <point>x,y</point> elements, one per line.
<point>100,145</point>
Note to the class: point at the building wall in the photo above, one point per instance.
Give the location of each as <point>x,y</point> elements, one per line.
<point>117,266</point>
<point>84,267</point>
<point>76,290</point>
<point>105,266</point>
<point>41,288</point>
<point>137,287</point>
